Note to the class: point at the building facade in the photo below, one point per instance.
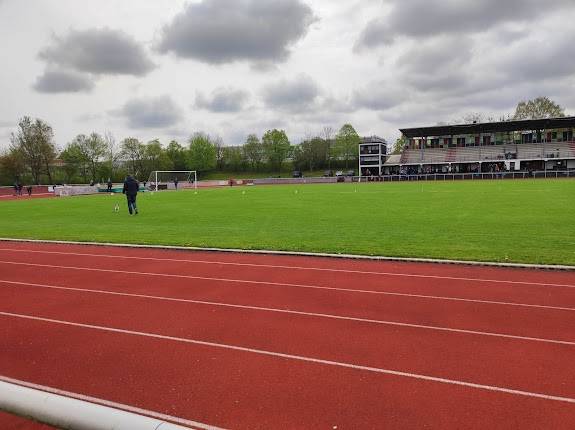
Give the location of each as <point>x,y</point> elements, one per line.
<point>372,156</point>
<point>526,145</point>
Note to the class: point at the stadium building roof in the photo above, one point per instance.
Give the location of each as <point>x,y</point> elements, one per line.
<point>490,127</point>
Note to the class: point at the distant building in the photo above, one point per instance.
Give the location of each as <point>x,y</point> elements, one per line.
<point>372,156</point>
<point>526,145</point>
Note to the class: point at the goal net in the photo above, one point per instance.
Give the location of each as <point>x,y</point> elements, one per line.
<point>172,180</point>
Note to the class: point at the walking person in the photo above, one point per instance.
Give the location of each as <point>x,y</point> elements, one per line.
<point>29,190</point>
<point>110,185</point>
<point>131,187</point>
<point>176,183</point>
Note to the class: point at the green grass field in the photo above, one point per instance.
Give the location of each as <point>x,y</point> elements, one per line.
<point>529,221</point>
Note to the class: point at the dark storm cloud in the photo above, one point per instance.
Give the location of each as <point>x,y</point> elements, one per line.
<point>62,81</point>
<point>155,112</point>
<point>423,18</point>
<point>99,51</point>
<point>297,94</point>
<point>224,31</point>
<point>223,100</point>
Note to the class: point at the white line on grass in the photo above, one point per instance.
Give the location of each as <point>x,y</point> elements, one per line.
<point>274,266</point>
<point>108,403</point>
<point>302,359</point>
<point>301,313</point>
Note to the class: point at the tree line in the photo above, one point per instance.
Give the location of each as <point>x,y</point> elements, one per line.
<point>33,156</point>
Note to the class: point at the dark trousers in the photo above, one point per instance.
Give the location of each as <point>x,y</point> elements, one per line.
<point>132,203</point>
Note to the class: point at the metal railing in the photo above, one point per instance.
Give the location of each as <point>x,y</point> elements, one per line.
<point>556,174</point>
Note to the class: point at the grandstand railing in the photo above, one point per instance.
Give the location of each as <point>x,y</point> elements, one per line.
<point>461,176</point>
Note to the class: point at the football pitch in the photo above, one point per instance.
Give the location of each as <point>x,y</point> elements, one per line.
<point>527,221</point>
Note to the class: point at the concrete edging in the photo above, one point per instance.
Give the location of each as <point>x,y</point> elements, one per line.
<point>70,413</point>
<point>557,267</point>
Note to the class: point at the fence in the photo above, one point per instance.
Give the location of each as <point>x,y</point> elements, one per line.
<point>468,176</point>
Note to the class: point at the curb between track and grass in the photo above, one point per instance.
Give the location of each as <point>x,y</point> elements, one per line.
<point>555,267</point>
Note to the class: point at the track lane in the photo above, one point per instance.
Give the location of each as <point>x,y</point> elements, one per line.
<point>517,321</point>
<point>466,357</point>
<point>222,388</point>
<point>563,296</point>
<point>304,263</point>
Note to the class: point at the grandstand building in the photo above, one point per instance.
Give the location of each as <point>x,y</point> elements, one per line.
<point>372,156</point>
<point>526,145</point>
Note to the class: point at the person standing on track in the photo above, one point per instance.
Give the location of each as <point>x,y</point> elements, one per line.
<point>131,187</point>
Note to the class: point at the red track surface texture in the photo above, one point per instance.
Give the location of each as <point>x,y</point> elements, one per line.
<point>259,341</point>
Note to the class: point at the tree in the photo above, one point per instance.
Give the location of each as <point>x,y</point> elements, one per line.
<point>234,158</point>
<point>347,143</point>
<point>177,156</point>
<point>112,153</point>
<point>327,135</point>
<point>156,158</point>
<point>311,153</point>
<point>133,151</point>
<point>34,143</point>
<point>74,161</point>
<point>219,145</point>
<point>399,145</point>
<point>541,107</point>
<point>276,147</point>
<point>11,167</point>
<point>253,151</point>
<point>201,153</point>
<point>94,149</point>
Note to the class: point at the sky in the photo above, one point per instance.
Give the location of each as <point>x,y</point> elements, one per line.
<point>166,69</point>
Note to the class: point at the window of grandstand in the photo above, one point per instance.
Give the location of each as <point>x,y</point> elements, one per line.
<point>461,141</point>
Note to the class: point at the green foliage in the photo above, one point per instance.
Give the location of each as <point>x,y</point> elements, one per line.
<point>11,167</point>
<point>133,151</point>
<point>541,107</point>
<point>35,146</point>
<point>505,220</point>
<point>253,152</point>
<point>201,153</point>
<point>347,144</point>
<point>177,155</point>
<point>311,154</point>
<point>399,145</point>
<point>276,147</point>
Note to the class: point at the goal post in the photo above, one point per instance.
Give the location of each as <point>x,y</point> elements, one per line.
<point>172,179</point>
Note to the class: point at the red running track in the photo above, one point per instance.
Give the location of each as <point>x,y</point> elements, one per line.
<point>261,341</point>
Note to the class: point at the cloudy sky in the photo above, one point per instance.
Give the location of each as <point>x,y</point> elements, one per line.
<point>165,69</point>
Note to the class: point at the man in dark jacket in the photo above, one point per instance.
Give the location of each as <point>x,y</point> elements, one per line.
<point>131,187</point>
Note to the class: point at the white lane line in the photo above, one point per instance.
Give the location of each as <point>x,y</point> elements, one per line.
<point>394,294</point>
<point>301,358</point>
<point>273,266</point>
<point>283,284</point>
<point>301,313</point>
<point>108,403</point>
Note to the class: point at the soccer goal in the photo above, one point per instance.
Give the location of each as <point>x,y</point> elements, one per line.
<point>172,180</point>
